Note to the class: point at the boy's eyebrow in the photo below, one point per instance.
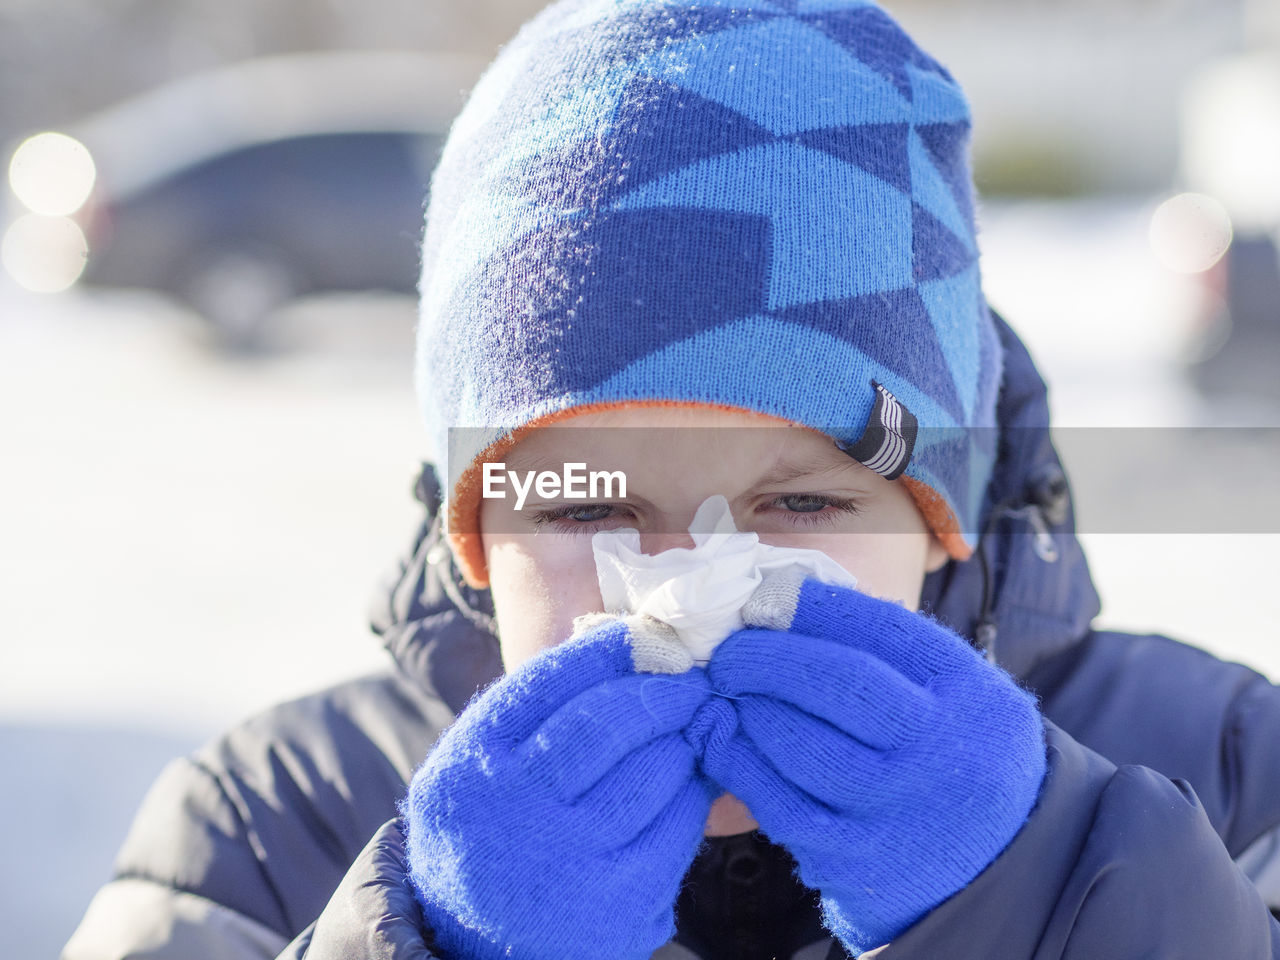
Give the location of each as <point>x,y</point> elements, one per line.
<point>515,459</point>
<point>785,471</point>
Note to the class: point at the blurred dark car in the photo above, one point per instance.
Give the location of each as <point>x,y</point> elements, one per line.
<point>241,233</point>
<point>239,190</point>
<point>1230,149</point>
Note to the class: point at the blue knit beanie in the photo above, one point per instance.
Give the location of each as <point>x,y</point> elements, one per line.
<point>759,205</point>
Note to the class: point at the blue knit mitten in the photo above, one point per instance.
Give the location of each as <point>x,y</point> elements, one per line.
<point>559,813</point>
<point>878,747</point>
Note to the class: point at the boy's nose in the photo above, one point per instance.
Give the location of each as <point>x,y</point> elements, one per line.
<point>657,542</point>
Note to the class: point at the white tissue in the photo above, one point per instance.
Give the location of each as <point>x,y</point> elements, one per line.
<point>699,592</point>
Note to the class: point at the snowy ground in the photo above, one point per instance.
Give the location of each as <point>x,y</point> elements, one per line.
<point>186,539</point>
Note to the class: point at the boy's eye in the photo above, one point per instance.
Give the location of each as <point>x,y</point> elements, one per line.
<point>576,517</point>
<point>804,502</point>
<point>807,509</point>
<point>799,509</point>
<point>585,514</point>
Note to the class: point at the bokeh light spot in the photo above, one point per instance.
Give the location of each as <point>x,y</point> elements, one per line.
<point>1190,232</point>
<point>44,254</point>
<point>52,174</point>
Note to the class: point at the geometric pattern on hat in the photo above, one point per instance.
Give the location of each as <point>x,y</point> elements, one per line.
<point>649,200</point>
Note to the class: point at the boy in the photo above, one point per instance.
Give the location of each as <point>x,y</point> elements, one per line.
<point>727,249</point>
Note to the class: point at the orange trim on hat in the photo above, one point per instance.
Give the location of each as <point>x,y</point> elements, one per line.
<point>940,518</point>
<point>464,505</point>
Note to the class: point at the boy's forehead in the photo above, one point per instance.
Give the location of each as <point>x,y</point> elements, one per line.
<point>766,450</point>
<point>660,415</point>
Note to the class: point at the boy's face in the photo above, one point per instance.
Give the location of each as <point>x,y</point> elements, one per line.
<point>789,485</point>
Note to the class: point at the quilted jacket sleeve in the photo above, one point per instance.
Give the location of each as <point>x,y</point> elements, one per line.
<point>1166,705</point>
<point>216,903</point>
<point>1115,863</point>
<point>239,847</point>
<point>1158,830</point>
<point>372,914</point>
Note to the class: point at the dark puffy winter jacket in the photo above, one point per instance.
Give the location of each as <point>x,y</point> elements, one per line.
<point>1157,834</point>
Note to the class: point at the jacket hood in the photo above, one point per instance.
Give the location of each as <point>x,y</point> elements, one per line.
<point>1025,595</point>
